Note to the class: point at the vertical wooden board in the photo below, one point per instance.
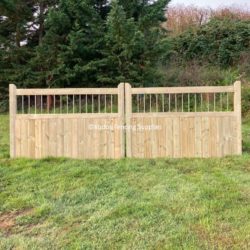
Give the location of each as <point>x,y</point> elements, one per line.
<point>169,137</point>
<point>67,138</point>
<point>184,136</point>
<point>18,137</point>
<point>191,137</point>
<point>176,141</point>
<point>161,134</point>
<point>198,137</point>
<point>205,137</point>
<point>60,138</point>
<point>220,135</point>
<point>31,138</point>
<point>213,136</point>
<point>53,137</point>
<point>75,136</point>
<point>38,138</point>
<point>154,139</point>
<point>141,146</point>
<point>118,142</point>
<point>81,128</point>
<point>12,112</point>
<point>146,138</point>
<point>234,136</point>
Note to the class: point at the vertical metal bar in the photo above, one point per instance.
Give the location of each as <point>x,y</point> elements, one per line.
<point>214,102</point>
<point>208,102</point>
<point>54,104</point>
<point>67,104</point>
<point>29,104</point>
<point>175,98</point>
<point>227,102</point>
<point>99,104</point>
<point>73,104</point>
<point>156,102</point>
<point>86,103</point>
<point>111,103</point>
<point>195,103</point>
<point>35,104</point>
<point>80,104</point>
<point>201,103</point>
<point>221,105</point>
<point>105,103</point>
<point>182,102</point>
<point>22,104</point>
<point>41,104</point>
<point>92,104</point>
<point>138,108</point>
<point>60,104</point>
<point>169,102</point>
<point>144,103</point>
<point>188,102</point>
<point>163,103</point>
<point>150,103</point>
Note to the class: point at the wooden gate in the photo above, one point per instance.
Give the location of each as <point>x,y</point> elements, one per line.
<point>183,122</point>
<point>76,123</point>
<point>125,121</point>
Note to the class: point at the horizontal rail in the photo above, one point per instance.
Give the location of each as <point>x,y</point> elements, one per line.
<point>183,90</point>
<point>183,114</point>
<point>68,91</point>
<point>68,116</point>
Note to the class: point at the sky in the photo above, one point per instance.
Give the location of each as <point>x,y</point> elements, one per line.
<point>213,3</point>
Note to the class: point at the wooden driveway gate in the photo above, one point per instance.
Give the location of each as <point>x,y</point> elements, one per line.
<point>133,122</point>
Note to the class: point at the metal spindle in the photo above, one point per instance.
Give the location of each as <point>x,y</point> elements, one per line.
<point>188,102</point>
<point>111,103</point>
<point>105,103</point>
<point>29,104</point>
<point>227,102</point>
<point>182,108</point>
<point>150,103</point>
<point>54,104</point>
<point>214,102</point>
<point>73,104</point>
<point>221,105</point>
<point>80,104</point>
<point>67,104</point>
<point>41,104</point>
<point>201,103</point>
<point>138,107</point>
<point>22,105</point>
<point>86,103</point>
<point>35,104</point>
<point>175,98</point>
<point>156,102</point>
<point>169,102</point>
<point>144,103</point>
<point>163,103</point>
<point>99,104</point>
<point>92,103</point>
<point>195,103</point>
<point>60,104</point>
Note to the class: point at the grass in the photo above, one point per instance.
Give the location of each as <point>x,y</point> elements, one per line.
<point>125,204</point>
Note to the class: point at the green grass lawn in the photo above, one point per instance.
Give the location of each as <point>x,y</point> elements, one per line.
<point>124,204</point>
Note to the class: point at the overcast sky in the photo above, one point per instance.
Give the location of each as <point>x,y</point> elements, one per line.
<point>213,3</point>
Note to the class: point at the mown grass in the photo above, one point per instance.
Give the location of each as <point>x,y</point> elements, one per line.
<point>128,204</point>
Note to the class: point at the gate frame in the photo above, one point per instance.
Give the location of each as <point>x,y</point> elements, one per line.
<point>125,92</point>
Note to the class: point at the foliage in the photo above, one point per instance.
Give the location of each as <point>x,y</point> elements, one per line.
<point>219,42</point>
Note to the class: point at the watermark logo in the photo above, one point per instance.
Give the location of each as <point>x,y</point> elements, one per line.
<point>137,127</point>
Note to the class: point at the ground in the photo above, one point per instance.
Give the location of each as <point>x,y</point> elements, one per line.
<point>128,204</point>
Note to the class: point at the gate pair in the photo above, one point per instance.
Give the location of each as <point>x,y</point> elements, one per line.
<point>111,123</point>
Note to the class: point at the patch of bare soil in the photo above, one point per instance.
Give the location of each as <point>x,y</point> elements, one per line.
<point>7,220</point>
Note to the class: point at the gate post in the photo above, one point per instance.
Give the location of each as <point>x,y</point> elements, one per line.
<point>12,113</point>
<point>237,110</point>
<point>121,111</point>
<point>128,112</point>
